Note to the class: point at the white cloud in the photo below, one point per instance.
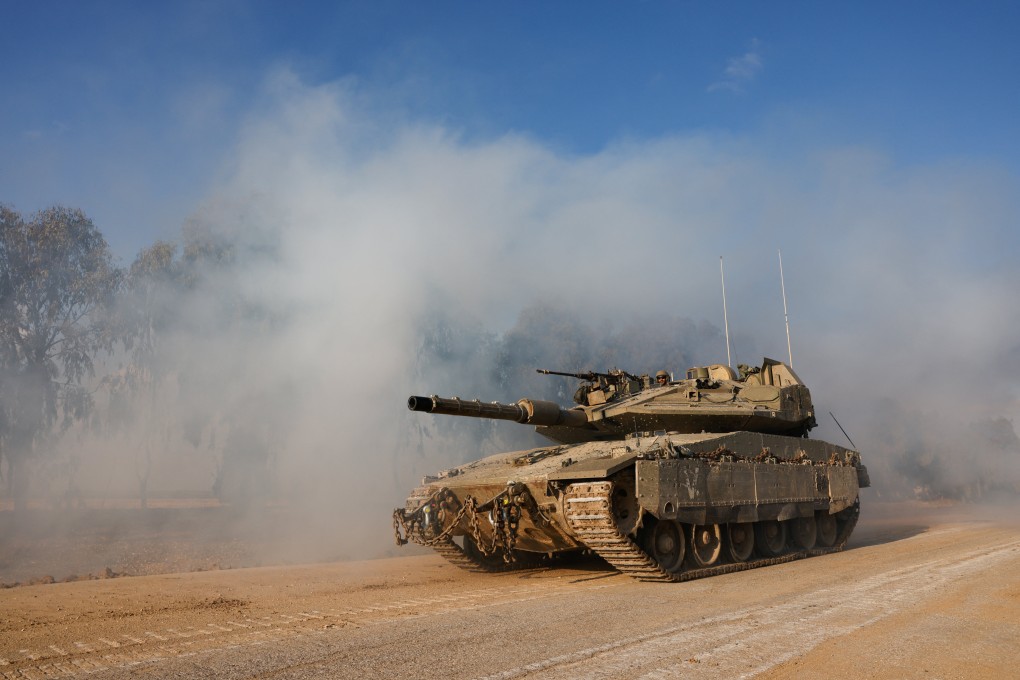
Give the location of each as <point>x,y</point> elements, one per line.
<point>740,70</point>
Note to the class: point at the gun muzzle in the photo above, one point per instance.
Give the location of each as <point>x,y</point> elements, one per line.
<point>527,411</point>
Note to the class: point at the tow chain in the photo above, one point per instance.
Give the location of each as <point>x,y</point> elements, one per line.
<point>504,514</point>
<point>419,526</point>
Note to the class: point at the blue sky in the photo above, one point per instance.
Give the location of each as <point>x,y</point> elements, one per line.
<point>128,109</point>
<point>423,146</point>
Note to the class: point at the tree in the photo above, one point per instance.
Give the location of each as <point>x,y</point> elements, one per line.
<point>242,412</point>
<point>56,280</point>
<point>146,312</point>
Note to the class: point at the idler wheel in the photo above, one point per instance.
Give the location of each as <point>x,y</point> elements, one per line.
<point>827,528</point>
<point>805,532</point>
<point>665,543</point>
<point>706,544</point>
<point>740,540</point>
<point>770,537</point>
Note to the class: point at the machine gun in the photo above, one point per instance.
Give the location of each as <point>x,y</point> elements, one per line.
<point>603,387</point>
<point>614,376</point>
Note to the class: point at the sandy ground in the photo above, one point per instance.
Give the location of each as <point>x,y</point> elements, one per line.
<point>105,538</point>
<point>920,593</point>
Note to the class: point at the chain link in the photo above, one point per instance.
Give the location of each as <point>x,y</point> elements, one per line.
<point>504,515</point>
<point>414,527</point>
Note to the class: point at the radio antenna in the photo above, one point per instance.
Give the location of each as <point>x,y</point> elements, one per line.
<point>843,431</point>
<point>786,315</point>
<point>726,320</point>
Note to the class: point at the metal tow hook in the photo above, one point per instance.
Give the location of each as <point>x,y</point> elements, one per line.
<point>507,511</point>
<point>428,516</point>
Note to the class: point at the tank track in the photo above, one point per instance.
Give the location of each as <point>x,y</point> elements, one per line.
<point>588,508</point>
<point>458,557</point>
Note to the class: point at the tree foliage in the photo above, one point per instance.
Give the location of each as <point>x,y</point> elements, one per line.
<point>147,308</point>
<point>56,280</point>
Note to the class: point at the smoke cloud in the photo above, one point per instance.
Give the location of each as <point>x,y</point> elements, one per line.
<point>387,256</point>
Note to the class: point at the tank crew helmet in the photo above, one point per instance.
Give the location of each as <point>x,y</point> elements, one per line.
<point>662,377</point>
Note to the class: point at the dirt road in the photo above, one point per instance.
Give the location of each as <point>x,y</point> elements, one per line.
<point>910,598</point>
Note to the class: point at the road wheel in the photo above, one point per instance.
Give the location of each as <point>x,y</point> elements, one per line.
<point>826,524</point>
<point>665,543</point>
<point>805,531</point>
<point>740,540</point>
<point>770,537</point>
<point>706,544</point>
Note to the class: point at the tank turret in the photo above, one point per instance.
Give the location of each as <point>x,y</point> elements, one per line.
<point>768,399</point>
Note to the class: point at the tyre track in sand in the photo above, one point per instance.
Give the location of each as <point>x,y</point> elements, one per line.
<point>421,618</point>
<point>50,658</point>
<point>750,641</point>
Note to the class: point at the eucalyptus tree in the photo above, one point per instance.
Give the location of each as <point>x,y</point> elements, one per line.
<point>231,399</point>
<point>148,310</point>
<point>57,279</point>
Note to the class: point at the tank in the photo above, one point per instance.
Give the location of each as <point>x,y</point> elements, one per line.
<point>666,480</point>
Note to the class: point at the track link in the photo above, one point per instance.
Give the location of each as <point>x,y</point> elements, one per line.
<point>589,513</point>
<point>455,555</point>
<point>466,560</point>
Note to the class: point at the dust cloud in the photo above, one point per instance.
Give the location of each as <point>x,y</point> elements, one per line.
<point>375,256</point>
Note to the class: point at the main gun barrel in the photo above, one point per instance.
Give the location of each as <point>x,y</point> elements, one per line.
<point>526,411</point>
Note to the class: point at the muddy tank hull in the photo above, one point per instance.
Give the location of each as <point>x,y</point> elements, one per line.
<point>668,507</point>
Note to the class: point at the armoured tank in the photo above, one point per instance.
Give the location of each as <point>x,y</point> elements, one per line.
<point>666,480</point>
